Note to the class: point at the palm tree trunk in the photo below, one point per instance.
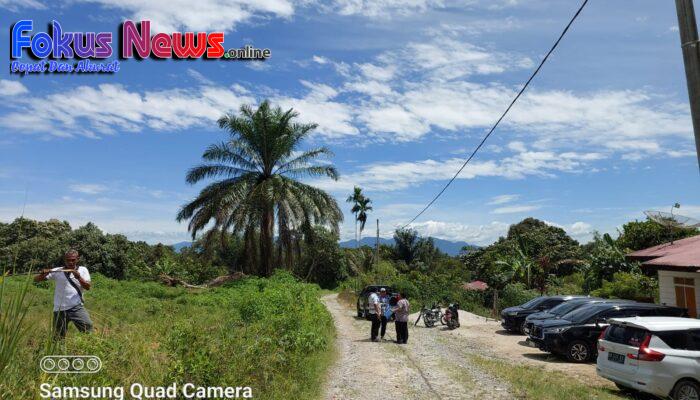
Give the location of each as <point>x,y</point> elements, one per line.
<point>357,243</point>
<point>266,242</point>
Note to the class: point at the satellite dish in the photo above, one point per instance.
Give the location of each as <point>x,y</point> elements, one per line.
<point>671,220</point>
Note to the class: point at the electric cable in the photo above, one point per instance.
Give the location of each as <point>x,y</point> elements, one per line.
<point>493,128</point>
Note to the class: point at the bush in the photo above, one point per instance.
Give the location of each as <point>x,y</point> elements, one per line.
<point>248,332</point>
<point>632,286</point>
<point>515,294</point>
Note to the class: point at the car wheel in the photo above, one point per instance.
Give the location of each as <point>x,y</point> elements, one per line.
<point>686,390</point>
<point>523,326</point>
<point>578,351</point>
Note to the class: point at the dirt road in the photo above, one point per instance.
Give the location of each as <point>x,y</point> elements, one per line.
<point>487,338</point>
<point>423,369</point>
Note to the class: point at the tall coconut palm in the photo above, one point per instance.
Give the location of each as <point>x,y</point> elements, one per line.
<point>363,207</point>
<point>355,198</point>
<point>258,170</point>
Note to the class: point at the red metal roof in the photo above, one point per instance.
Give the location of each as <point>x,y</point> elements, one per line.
<point>684,253</point>
<point>475,285</point>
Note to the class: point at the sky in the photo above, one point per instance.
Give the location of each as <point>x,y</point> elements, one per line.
<point>402,91</point>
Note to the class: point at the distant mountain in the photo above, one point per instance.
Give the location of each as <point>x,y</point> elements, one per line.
<point>366,241</point>
<point>446,246</point>
<point>180,245</point>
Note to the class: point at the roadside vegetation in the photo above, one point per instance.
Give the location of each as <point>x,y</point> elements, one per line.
<point>246,333</point>
<point>533,258</point>
<point>528,382</point>
<point>256,220</point>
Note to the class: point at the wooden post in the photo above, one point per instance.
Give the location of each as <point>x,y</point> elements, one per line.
<point>376,246</point>
<point>688,30</point>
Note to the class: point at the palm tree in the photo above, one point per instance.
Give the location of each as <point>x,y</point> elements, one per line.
<point>363,207</point>
<point>259,167</point>
<point>355,198</point>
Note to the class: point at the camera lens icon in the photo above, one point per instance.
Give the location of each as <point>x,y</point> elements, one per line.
<point>63,364</point>
<point>78,364</point>
<point>70,364</point>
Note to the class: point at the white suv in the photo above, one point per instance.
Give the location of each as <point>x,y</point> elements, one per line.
<point>657,355</point>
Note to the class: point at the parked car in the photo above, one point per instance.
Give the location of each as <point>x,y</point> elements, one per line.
<point>565,308</point>
<point>657,355</point>
<point>364,295</point>
<point>574,335</point>
<point>513,318</point>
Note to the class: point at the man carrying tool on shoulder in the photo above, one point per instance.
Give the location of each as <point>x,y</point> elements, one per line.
<point>71,280</point>
<point>374,312</point>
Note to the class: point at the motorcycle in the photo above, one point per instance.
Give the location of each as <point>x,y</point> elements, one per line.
<point>451,316</point>
<point>430,315</point>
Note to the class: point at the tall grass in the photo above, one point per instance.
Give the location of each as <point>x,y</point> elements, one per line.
<point>13,312</point>
<point>273,335</point>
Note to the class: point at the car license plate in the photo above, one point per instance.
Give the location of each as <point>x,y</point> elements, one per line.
<point>618,358</point>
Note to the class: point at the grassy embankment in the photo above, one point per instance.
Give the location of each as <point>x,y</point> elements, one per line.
<point>273,335</point>
<point>530,382</point>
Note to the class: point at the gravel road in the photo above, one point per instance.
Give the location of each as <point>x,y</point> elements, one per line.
<point>426,368</point>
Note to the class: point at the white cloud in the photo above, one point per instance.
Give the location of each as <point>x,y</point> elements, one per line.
<point>383,8</point>
<point>110,108</point>
<point>15,5</point>
<point>199,77</point>
<point>11,88</point>
<point>139,217</point>
<point>204,16</point>
<point>334,118</point>
<point>503,199</point>
<point>384,176</point>
<point>517,146</point>
<point>406,93</point>
<point>515,209</point>
<point>88,188</point>
<point>482,234</point>
<point>580,228</point>
<point>319,59</point>
<point>386,9</point>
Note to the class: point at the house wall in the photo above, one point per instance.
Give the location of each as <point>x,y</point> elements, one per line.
<point>667,291</point>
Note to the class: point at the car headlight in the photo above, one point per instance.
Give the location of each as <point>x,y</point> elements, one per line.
<point>556,330</point>
<point>512,313</point>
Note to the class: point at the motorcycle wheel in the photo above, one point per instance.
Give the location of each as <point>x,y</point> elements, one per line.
<point>429,322</point>
<point>443,320</point>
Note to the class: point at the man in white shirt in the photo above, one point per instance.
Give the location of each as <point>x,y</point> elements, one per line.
<point>375,312</point>
<point>71,280</point>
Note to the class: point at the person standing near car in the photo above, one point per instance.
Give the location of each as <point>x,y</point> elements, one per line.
<point>402,310</point>
<point>71,280</point>
<point>384,299</point>
<point>374,312</point>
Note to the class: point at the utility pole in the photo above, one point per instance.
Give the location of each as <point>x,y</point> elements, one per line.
<point>376,246</point>
<point>688,29</point>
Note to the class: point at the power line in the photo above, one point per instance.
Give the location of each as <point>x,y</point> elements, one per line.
<point>493,128</point>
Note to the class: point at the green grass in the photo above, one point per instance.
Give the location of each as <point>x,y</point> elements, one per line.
<point>273,335</point>
<point>528,382</point>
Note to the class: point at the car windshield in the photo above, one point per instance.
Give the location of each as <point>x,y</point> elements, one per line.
<point>534,302</point>
<point>581,314</point>
<point>566,307</point>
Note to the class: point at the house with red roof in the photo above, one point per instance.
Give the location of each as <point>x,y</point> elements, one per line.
<point>678,267</point>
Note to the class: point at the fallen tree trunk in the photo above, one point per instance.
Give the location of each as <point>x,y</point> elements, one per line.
<point>218,281</point>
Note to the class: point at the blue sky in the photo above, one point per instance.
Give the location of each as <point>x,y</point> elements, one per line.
<point>402,91</point>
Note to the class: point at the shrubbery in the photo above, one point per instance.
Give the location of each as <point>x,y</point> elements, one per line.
<point>625,285</point>
<point>247,333</point>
